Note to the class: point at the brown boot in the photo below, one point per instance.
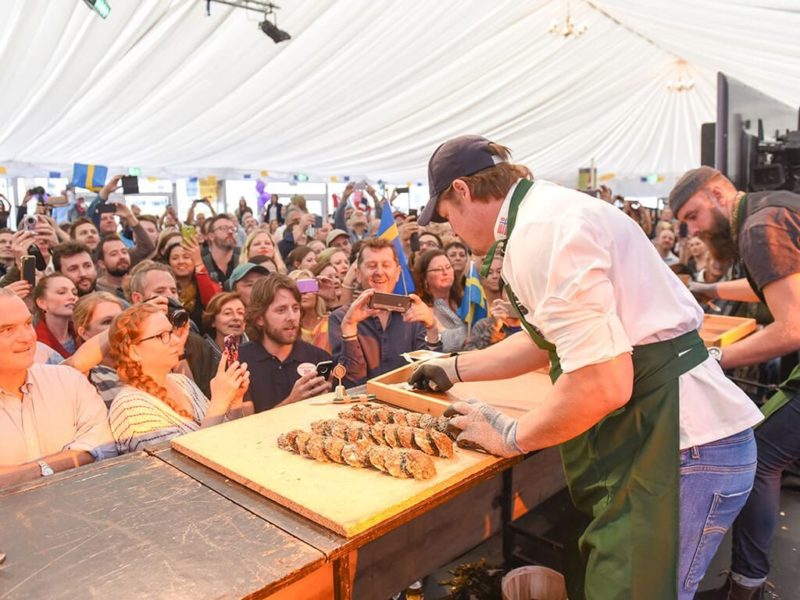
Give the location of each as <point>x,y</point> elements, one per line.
<point>732,591</point>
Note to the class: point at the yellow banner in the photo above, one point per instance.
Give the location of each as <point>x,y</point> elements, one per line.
<point>208,187</point>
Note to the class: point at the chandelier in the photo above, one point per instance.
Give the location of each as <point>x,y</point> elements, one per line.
<point>567,28</point>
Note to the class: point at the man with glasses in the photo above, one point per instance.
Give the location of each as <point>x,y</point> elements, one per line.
<point>51,418</point>
<point>223,254</point>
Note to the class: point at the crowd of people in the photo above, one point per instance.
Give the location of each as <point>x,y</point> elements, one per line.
<point>122,330</point>
<point>143,307</point>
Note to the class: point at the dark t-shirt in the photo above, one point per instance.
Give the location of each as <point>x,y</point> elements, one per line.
<point>271,381</point>
<point>769,239</point>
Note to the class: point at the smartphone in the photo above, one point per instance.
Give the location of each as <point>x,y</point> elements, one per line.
<point>413,212</point>
<point>401,190</point>
<point>393,302</point>
<point>231,344</point>
<point>413,242</point>
<point>307,286</point>
<point>29,269</point>
<point>106,207</point>
<point>130,185</point>
<point>30,222</point>
<point>324,368</point>
<point>188,232</point>
<point>360,185</point>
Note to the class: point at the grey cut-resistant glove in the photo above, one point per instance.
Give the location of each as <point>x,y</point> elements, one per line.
<point>436,375</point>
<point>485,427</point>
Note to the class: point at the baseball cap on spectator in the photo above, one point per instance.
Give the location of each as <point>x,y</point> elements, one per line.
<point>241,271</point>
<point>688,185</point>
<point>333,234</point>
<point>459,157</point>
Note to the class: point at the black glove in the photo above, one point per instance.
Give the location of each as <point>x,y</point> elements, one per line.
<point>704,291</point>
<point>436,375</point>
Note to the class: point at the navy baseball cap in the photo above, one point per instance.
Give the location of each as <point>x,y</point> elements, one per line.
<point>459,157</point>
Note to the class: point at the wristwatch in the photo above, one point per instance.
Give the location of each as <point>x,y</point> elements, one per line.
<point>715,352</point>
<point>45,469</point>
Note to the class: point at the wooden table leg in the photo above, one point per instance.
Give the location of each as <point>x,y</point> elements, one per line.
<point>506,515</point>
<point>343,577</point>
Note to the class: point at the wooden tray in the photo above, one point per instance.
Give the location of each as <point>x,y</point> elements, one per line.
<point>512,396</point>
<point>724,331</point>
<point>344,499</point>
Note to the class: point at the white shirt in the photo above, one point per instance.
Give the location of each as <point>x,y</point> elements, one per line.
<point>59,410</point>
<point>595,286</point>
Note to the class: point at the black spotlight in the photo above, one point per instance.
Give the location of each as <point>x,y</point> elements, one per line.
<point>277,35</point>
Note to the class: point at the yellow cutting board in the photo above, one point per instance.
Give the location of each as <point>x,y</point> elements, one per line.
<point>344,499</point>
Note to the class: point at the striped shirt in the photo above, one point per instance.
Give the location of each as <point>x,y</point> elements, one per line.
<point>140,419</point>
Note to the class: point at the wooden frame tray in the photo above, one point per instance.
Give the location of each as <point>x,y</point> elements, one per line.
<point>721,331</point>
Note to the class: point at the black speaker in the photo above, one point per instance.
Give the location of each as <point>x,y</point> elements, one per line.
<point>708,137</point>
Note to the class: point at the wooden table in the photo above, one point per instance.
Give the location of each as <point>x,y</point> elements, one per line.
<point>159,524</point>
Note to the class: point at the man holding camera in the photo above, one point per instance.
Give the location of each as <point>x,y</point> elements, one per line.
<point>763,230</point>
<point>155,283</point>
<point>370,340</point>
<point>651,431</point>
<point>283,367</point>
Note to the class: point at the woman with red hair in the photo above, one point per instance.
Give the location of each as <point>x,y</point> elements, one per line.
<point>156,404</point>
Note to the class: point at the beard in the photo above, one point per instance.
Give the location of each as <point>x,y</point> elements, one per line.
<point>719,238</point>
<point>280,335</point>
<point>120,270</point>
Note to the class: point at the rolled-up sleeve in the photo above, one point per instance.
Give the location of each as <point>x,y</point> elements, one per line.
<point>579,312</point>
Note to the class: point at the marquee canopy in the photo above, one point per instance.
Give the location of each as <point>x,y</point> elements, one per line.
<point>371,87</point>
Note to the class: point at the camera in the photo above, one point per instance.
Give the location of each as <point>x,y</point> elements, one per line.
<point>30,222</point>
<point>176,314</point>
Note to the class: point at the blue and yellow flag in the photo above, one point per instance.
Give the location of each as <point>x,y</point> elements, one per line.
<point>388,231</point>
<point>473,305</point>
<point>89,177</point>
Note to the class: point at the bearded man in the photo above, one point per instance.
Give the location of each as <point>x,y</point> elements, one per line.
<point>763,230</point>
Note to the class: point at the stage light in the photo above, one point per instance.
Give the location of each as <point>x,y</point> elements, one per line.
<point>271,29</point>
<point>101,7</point>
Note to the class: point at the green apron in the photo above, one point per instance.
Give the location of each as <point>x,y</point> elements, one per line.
<point>624,472</point>
<point>750,204</point>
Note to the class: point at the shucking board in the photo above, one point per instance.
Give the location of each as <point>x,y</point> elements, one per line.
<point>344,499</point>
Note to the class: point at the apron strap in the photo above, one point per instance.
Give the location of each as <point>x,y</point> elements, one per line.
<point>516,199</point>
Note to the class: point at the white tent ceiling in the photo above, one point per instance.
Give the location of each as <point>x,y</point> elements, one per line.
<point>370,87</point>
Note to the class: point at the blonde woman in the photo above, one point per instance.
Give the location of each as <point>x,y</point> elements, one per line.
<point>156,404</point>
<point>261,243</point>
<point>93,314</point>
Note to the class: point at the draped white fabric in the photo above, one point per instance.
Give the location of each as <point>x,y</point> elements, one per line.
<point>370,87</point>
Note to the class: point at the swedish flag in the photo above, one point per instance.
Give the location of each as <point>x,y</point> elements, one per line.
<point>473,305</point>
<point>388,231</point>
<point>89,177</point>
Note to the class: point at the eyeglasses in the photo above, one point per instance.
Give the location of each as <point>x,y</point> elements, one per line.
<point>164,336</point>
<point>225,229</point>
<point>442,270</point>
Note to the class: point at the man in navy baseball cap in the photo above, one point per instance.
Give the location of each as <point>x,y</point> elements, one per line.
<point>459,157</point>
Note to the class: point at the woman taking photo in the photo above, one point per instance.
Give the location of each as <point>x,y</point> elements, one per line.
<point>437,286</point>
<point>261,243</point>
<point>313,312</point>
<point>93,314</point>
<point>223,316</point>
<point>156,405</point>
<point>54,298</point>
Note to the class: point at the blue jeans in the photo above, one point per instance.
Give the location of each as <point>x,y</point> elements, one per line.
<point>716,479</point>
<point>778,440</point>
